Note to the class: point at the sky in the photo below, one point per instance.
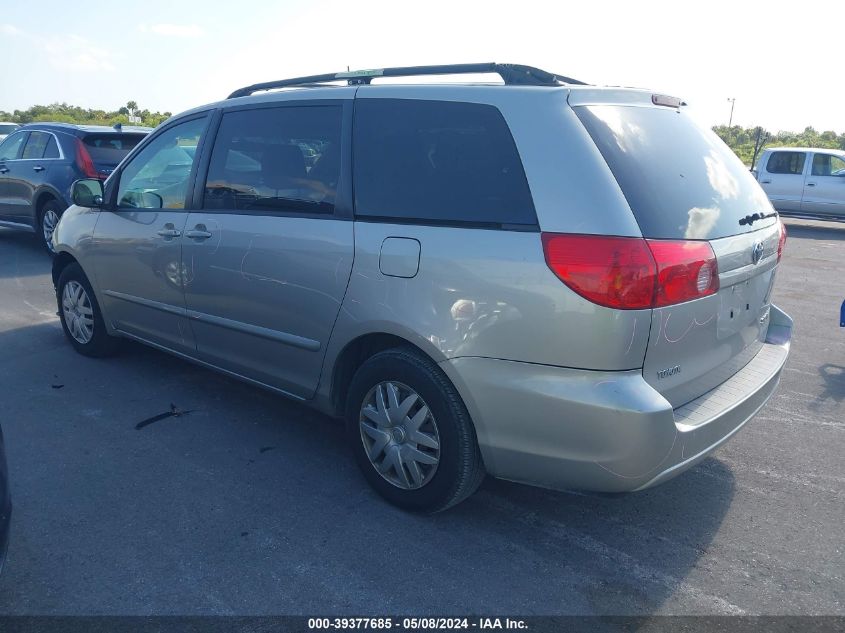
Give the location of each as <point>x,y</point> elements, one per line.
<point>172,55</point>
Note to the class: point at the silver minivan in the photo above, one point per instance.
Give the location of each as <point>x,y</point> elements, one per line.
<point>549,282</point>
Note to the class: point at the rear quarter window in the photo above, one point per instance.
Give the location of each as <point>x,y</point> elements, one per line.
<point>438,162</point>
<point>52,149</point>
<point>680,180</point>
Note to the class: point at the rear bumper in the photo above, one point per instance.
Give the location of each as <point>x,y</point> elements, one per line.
<point>605,431</point>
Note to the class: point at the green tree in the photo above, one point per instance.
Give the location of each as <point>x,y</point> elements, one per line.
<point>742,140</point>
<point>65,113</point>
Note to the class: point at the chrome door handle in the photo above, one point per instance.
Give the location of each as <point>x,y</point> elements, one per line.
<point>4,170</point>
<point>170,232</point>
<point>38,168</point>
<point>199,232</point>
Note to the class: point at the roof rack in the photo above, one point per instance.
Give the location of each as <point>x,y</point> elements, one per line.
<point>511,74</point>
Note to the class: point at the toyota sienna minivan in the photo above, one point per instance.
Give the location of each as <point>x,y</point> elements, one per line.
<point>546,281</point>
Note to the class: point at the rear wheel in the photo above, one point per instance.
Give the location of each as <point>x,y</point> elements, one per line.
<point>80,314</point>
<point>411,433</point>
<point>48,219</point>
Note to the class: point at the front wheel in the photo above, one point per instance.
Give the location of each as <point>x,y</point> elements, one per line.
<point>80,314</point>
<point>411,433</point>
<point>48,219</point>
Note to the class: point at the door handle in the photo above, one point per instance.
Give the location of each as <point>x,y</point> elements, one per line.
<point>766,182</point>
<point>811,184</point>
<point>169,232</point>
<point>199,232</point>
<point>4,170</point>
<point>38,168</point>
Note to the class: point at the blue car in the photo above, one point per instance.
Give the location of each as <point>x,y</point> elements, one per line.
<point>842,315</point>
<point>39,163</point>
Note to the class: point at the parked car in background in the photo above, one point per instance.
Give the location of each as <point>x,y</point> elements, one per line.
<point>5,502</point>
<point>804,180</point>
<point>554,283</point>
<point>7,128</point>
<point>39,163</point>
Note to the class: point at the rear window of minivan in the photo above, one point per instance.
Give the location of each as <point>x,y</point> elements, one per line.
<point>680,180</point>
<point>438,162</point>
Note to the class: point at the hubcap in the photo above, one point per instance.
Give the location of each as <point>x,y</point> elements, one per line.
<point>78,312</point>
<point>400,435</point>
<point>51,219</point>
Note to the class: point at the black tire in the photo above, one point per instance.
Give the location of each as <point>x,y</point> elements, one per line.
<point>100,343</point>
<point>51,206</point>
<point>460,469</point>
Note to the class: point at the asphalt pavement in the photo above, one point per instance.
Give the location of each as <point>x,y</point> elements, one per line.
<point>250,504</point>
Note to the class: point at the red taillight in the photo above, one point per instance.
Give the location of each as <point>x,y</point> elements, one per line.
<point>630,273</point>
<point>84,162</point>
<point>686,270</point>
<point>617,272</point>
<point>781,238</point>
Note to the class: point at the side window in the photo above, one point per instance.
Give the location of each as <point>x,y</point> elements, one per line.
<point>52,150</point>
<point>284,158</point>
<point>36,144</point>
<point>10,148</point>
<point>438,161</point>
<point>828,165</point>
<point>157,178</point>
<point>786,163</point>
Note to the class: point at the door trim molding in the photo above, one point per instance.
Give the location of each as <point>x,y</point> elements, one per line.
<point>256,330</point>
<point>148,303</point>
<point>17,225</point>
<point>238,326</point>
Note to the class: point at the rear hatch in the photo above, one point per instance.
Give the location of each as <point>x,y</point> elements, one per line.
<point>685,186</point>
<point>107,149</point>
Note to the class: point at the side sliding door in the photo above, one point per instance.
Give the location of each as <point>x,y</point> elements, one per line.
<point>268,256</point>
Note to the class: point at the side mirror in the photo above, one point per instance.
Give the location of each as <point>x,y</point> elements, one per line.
<point>87,193</point>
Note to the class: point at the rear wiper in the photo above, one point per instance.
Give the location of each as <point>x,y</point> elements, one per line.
<point>751,219</point>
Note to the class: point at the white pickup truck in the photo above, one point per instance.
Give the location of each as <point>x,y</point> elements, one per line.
<point>804,180</point>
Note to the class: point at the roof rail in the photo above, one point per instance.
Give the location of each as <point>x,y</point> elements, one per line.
<point>511,74</point>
